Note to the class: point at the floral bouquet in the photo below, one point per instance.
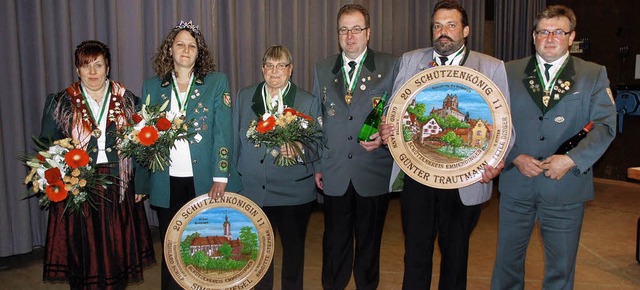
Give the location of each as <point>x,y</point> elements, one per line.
<point>288,129</point>
<point>62,172</point>
<point>150,135</point>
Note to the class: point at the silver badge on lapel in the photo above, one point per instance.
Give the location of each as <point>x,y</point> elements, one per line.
<point>324,94</point>
<point>363,87</point>
<point>197,137</point>
<point>559,119</point>
<point>332,109</point>
<point>274,153</point>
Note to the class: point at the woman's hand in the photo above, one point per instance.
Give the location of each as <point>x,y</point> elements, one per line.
<point>140,197</point>
<point>217,190</point>
<point>290,152</point>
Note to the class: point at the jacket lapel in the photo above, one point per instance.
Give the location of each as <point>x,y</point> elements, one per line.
<point>563,83</point>
<point>193,100</point>
<point>536,89</point>
<point>532,83</point>
<point>257,102</point>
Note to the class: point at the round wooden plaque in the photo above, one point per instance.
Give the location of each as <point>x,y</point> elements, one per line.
<point>219,244</point>
<point>449,121</point>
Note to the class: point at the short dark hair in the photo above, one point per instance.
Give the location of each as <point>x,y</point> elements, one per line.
<point>451,5</point>
<point>351,8</point>
<point>88,50</point>
<point>276,52</point>
<point>555,11</point>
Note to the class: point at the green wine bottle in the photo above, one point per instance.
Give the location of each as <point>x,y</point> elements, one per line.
<point>374,118</point>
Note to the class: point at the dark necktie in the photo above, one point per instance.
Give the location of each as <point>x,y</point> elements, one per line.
<point>352,65</point>
<point>547,66</point>
<point>443,60</point>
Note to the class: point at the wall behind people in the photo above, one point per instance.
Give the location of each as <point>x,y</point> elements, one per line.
<point>38,39</point>
<point>245,28</point>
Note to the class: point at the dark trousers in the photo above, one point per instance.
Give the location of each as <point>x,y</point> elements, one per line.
<point>429,212</point>
<point>290,222</point>
<point>346,217</point>
<point>181,191</point>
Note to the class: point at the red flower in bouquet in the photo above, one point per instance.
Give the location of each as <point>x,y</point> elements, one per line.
<point>56,191</point>
<point>289,131</point>
<point>148,135</point>
<point>293,112</point>
<point>136,118</point>
<point>267,125</point>
<point>53,175</point>
<point>80,184</point>
<point>152,134</point>
<point>163,124</point>
<point>76,158</point>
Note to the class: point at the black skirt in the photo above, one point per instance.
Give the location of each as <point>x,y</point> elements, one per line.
<point>105,247</point>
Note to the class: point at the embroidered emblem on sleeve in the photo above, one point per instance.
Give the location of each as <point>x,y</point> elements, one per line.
<point>223,165</point>
<point>223,153</point>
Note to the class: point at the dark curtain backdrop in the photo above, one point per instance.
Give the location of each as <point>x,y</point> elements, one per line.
<point>38,39</point>
<point>514,27</point>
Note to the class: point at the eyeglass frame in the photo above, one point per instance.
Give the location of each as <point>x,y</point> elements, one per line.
<point>354,30</point>
<point>557,32</point>
<point>279,66</point>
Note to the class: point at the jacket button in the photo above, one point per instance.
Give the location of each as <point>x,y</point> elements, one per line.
<point>261,161</point>
<point>195,161</point>
<point>540,118</point>
<point>350,118</point>
<point>349,156</point>
<point>541,138</point>
<point>263,187</point>
<point>350,138</point>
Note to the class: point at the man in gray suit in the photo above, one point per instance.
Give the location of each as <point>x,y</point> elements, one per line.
<point>450,214</point>
<point>353,175</point>
<point>554,95</point>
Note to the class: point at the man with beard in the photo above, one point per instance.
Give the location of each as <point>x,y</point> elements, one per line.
<point>449,214</point>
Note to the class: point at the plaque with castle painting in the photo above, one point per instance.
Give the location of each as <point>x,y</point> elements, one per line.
<point>219,244</point>
<point>449,122</point>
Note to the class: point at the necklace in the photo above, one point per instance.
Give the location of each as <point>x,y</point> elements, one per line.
<point>549,86</point>
<point>96,122</point>
<point>350,82</point>
<point>182,107</point>
<point>271,104</point>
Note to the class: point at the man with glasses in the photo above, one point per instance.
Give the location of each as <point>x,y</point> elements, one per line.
<point>554,95</point>
<point>353,175</point>
<point>450,215</point>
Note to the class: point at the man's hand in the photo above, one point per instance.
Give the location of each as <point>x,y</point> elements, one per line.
<point>556,166</point>
<point>385,130</point>
<point>217,190</point>
<point>319,184</point>
<point>374,142</point>
<point>491,172</point>
<point>528,166</point>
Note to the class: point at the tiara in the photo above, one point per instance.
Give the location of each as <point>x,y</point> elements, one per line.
<point>188,25</point>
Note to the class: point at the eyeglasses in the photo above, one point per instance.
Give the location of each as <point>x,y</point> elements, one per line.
<point>559,32</point>
<point>355,30</point>
<point>280,66</point>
